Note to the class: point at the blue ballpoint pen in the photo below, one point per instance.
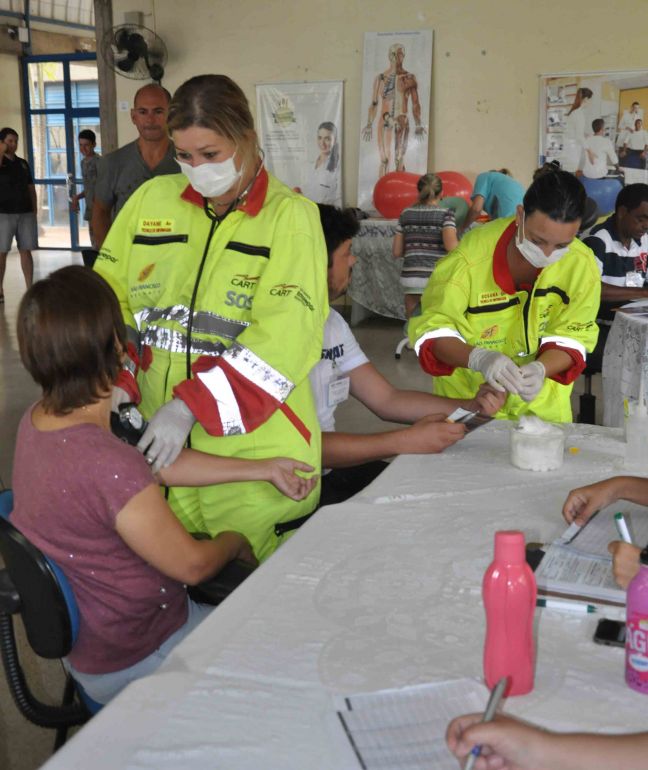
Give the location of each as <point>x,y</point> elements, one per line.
<point>491,708</point>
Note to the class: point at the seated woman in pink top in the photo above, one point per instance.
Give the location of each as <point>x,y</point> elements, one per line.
<point>90,501</point>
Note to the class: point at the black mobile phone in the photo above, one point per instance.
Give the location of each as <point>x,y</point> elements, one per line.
<point>610,632</point>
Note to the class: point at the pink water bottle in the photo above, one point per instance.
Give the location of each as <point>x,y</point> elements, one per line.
<point>509,592</point>
<point>636,672</point>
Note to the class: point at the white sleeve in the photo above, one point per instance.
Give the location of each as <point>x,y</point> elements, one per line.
<point>353,356</point>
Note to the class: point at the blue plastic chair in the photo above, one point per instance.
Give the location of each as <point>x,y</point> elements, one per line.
<point>34,587</point>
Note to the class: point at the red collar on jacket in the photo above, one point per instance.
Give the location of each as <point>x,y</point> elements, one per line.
<point>252,203</point>
<point>501,271</point>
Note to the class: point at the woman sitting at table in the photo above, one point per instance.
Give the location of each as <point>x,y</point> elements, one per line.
<point>584,502</point>
<point>91,503</point>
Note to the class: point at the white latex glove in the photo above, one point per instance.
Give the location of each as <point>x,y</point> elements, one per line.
<point>533,377</point>
<point>498,370</point>
<point>118,397</point>
<point>166,434</point>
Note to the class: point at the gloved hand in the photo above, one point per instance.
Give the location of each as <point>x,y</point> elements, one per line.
<point>118,397</point>
<point>498,370</point>
<point>533,377</point>
<point>166,434</point>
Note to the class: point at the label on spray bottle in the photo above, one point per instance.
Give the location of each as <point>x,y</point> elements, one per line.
<point>637,652</point>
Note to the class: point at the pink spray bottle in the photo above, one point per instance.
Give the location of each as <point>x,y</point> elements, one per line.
<point>636,672</point>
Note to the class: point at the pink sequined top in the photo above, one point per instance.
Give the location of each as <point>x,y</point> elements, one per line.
<point>69,485</point>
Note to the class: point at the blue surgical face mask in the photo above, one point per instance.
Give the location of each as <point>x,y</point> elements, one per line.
<point>533,254</point>
<point>211,179</point>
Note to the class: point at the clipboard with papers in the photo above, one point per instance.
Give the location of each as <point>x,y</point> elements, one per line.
<point>578,565</point>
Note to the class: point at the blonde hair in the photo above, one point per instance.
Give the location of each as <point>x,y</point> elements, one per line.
<point>429,186</point>
<point>214,102</point>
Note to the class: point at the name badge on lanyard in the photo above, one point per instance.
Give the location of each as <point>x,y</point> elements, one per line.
<point>338,390</point>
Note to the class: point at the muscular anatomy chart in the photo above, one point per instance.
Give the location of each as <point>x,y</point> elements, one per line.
<point>395,106</point>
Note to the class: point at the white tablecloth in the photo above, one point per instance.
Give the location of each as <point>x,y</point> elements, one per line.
<point>625,356</point>
<point>382,591</point>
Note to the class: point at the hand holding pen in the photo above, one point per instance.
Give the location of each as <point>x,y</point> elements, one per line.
<point>491,708</point>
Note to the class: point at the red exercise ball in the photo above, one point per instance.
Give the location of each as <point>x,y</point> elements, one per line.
<point>394,192</point>
<point>455,185</point>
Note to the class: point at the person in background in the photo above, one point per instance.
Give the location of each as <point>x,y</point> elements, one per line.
<point>120,173</point>
<point>620,246</point>
<point>322,184</point>
<point>627,123</point>
<point>510,744</point>
<point>635,147</point>
<point>514,305</point>
<point>91,503</point>
<point>221,276</point>
<point>425,232</point>
<point>89,164</point>
<point>357,458</point>
<point>17,207</point>
<point>584,502</point>
<point>496,193</point>
<point>576,125</point>
<point>599,152</point>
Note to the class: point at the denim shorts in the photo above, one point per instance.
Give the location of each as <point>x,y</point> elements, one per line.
<point>23,227</point>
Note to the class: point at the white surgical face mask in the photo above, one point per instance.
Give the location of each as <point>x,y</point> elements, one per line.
<point>533,253</point>
<point>211,179</point>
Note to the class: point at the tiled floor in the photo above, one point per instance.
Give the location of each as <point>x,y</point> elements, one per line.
<point>22,746</point>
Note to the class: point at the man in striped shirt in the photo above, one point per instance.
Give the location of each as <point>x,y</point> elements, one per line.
<point>620,245</point>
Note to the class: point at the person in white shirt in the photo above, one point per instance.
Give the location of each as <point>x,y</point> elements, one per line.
<point>627,122</point>
<point>599,152</point>
<point>356,459</point>
<point>635,147</point>
<point>323,181</point>
<point>575,131</point>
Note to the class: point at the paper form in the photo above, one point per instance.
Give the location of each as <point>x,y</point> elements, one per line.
<point>405,728</point>
<point>563,570</point>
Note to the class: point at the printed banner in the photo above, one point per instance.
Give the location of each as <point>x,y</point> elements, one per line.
<point>593,123</point>
<point>395,107</point>
<point>300,130</point>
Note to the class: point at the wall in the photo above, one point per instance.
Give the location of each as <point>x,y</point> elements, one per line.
<point>486,61</point>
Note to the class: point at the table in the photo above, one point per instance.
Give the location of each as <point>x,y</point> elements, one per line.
<point>624,358</point>
<point>375,280</point>
<point>380,591</point>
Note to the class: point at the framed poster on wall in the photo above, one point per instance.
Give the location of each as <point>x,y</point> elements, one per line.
<point>593,121</point>
<point>300,130</point>
<point>394,108</point>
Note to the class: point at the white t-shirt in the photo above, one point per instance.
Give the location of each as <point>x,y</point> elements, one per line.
<point>628,119</point>
<point>637,140</point>
<point>341,354</point>
<point>321,186</point>
<point>602,148</point>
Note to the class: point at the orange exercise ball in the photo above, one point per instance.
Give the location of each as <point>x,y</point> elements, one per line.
<point>395,192</point>
<point>455,185</point>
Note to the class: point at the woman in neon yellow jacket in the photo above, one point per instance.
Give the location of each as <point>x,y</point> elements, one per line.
<point>515,305</point>
<point>221,276</point>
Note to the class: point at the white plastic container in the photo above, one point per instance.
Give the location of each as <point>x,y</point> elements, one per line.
<point>537,445</point>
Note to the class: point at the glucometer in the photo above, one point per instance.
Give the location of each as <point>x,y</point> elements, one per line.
<point>127,423</point>
<point>471,420</point>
